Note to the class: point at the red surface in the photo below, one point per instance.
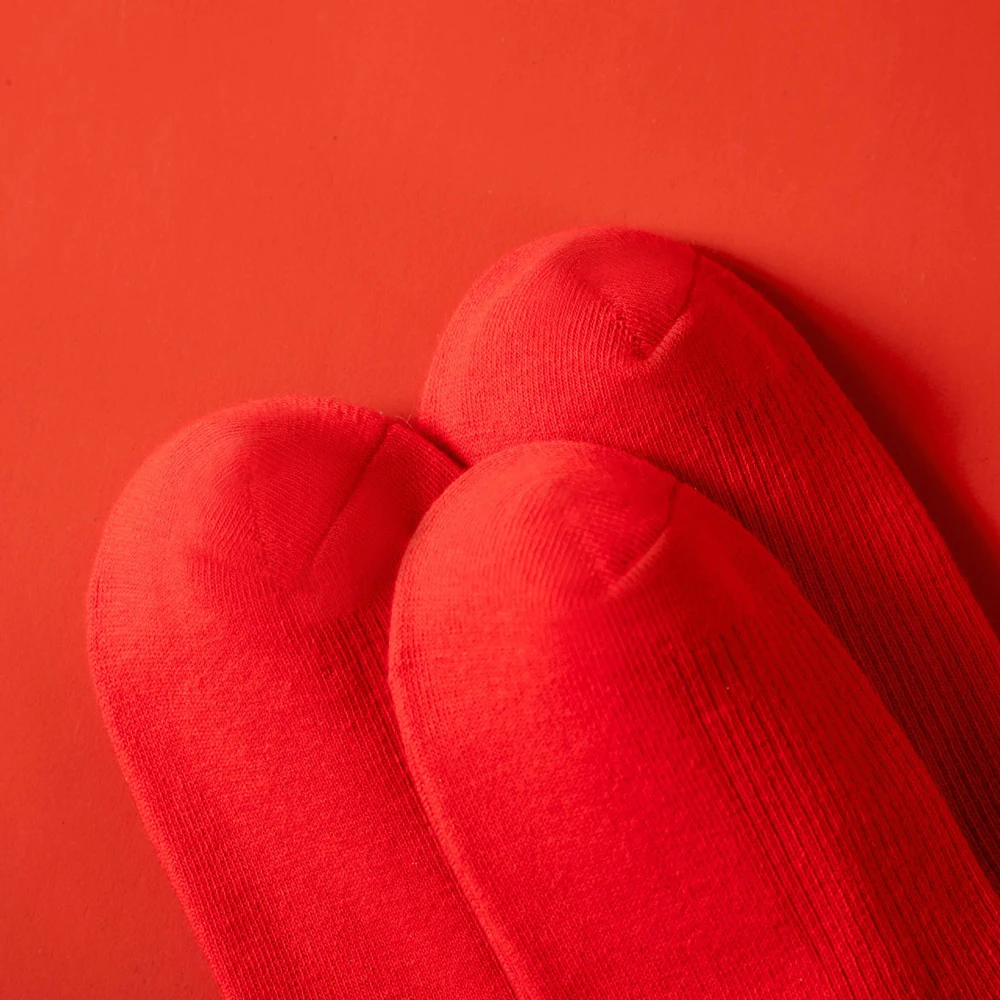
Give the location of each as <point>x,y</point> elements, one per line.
<point>208,201</point>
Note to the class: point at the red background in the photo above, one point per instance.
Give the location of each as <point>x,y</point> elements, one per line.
<point>203,201</point>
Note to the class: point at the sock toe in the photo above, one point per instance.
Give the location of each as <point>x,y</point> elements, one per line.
<point>282,496</point>
<point>626,287</point>
<point>603,495</point>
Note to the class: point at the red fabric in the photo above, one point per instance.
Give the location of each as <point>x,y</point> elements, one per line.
<point>633,761</point>
<point>627,339</point>
<point>239,608</point>
<point>652,767</point>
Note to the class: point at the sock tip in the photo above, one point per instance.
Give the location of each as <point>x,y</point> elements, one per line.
<point>554,523</point>
<point>240,498</point>
<point>550,320</point>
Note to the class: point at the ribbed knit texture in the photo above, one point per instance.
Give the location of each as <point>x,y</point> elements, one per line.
<point>238,621</point>
<point>630,340</point>
<point>654,770</point>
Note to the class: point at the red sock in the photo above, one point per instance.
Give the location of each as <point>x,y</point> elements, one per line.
<point>630,340</point>
<point>238,617</point>
<point>654,770</point>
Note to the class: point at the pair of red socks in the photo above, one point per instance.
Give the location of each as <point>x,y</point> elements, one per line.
<point>676,692</point>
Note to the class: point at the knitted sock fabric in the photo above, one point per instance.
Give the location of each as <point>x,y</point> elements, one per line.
<point>630,340</point>
<point>654,770</point>
<point>238,623</point>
